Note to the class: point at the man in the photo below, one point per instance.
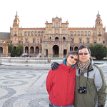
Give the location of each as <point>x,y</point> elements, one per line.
<point>90,82</point>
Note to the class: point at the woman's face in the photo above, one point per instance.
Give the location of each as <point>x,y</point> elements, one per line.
<point>84,55</point>
<point>72,59</point>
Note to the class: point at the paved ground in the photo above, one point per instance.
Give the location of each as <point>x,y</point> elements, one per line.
<point>24,86</point>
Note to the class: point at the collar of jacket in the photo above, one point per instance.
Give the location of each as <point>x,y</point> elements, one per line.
<point>90,67</point>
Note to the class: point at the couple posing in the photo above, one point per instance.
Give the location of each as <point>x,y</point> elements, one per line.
<point>77,82</point>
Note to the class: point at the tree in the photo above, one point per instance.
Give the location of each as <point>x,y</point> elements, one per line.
<point>10,46</point>
<point>15,50</point>
<point>98,51</point>
<point>19,50</point>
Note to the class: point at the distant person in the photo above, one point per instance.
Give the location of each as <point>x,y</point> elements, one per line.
<point>90,82</point>
<point>60,83</point>
<point>49,60</point>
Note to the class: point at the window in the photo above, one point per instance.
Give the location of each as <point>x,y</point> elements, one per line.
<point>64,38</point>
<point>95,42</point>
<point>89,33</point>
<point>71,33</point>
<point>99,34</point>
<point>56,38</point>
<point>78,33</point>
<point>74,33</point>
<point>80,40</point>
<point>29,33</point>
<point>85,33</point>
<point>26,40</point>
<point>81,33</point>
<point>25,33</point>
<point>33,40</point>
<point>56,31</point>
<point>88,40</point>
<point>104,42</point>
<point>56,25</point>
<point>15,34</point>
<point>72,40</point>
<point>35,33</point>
<point>32,33</point>
<point>50,38</point>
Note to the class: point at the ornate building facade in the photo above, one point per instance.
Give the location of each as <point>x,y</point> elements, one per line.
<point>56,39</point>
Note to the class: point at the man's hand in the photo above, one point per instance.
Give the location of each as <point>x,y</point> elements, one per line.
<point>54,65</point>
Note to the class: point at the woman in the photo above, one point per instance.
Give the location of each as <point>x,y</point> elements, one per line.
<point>60,83</point>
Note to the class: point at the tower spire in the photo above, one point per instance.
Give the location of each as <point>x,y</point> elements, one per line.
<point>98,20</point>
<point>16,21</point>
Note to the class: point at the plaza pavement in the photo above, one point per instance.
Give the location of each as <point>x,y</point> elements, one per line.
<point>24,86</point>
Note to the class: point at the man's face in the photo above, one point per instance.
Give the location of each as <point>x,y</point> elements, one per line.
<point>84,55</point>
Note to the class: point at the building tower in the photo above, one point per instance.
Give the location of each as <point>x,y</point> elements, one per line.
<point>16,21</point>
<point>99,29</point>
<point>14,36</point>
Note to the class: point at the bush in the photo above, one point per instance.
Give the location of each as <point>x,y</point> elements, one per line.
<point>98,51</point>
<point>15,50</point>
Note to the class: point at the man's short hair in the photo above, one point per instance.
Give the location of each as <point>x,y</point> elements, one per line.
<point>83,46</point>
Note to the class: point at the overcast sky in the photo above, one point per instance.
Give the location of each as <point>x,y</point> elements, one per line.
<point>34,13</point>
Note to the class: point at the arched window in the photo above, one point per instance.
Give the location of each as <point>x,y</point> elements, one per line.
<point>64,38</point>
<point>56,39</point>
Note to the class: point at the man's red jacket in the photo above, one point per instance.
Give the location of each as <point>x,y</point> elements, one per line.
<point>60,84</point>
